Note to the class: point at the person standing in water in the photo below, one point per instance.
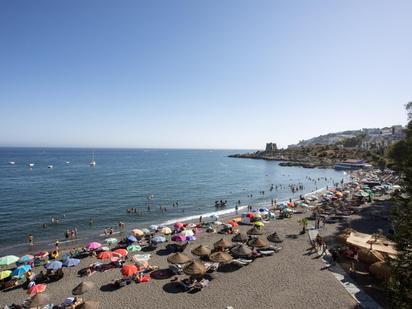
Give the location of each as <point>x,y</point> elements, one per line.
<point>30,240</point>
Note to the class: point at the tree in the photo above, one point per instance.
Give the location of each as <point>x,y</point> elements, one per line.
<point>400,283</point>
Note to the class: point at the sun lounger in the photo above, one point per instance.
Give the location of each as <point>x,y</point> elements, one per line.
<point>211,267</point>
<point>176,269</point>
<point>241,262</point>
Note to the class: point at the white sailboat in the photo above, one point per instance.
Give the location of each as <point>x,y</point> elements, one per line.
<point>93,162</point>
<point>31,165</point>
<point>12,162</point>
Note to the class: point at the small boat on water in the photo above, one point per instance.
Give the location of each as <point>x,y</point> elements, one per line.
<point>12,162</point>
<point>67,162</point>
<point>50,166</point>
<point>31,165</point>
<point>93,162</point>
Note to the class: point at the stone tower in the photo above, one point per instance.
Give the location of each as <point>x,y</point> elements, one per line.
<point>271,147</point>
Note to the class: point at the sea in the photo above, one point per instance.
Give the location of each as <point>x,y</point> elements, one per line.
<point>62,186</point>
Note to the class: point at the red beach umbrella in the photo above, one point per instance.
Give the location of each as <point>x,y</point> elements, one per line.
<point>250,215</point>
<point>178,225</point>
<point>128,270</point>
<point>41,254</point>
<point>37,288</point>
<point>120,252</point>
<point>233,223</point>
<point>105,255</point>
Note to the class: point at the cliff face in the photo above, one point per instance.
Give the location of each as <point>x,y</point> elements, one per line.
<point>311,156</point>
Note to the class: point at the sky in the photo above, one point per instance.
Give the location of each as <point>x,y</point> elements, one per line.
<point>230,74</point>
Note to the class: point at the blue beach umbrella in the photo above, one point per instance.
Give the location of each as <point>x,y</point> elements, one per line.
<point>131,238</point>
<point>55,265</point>
<point>19,272</point>
<point>158,239</point>
<point>71,262</point>
<point>26,258</point>
<point>65,257</point>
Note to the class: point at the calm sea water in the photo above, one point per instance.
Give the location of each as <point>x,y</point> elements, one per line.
<point>75,192</point>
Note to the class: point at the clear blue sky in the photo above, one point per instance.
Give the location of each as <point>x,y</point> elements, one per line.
<point>200,74</point>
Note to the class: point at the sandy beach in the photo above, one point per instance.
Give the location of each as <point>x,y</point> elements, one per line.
<point>288,279</point>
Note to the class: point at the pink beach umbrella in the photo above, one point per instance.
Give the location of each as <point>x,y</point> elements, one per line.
<point>178,238</point>
<point>93,245</point>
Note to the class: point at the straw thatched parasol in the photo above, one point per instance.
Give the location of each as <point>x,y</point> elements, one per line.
<point>255,231</point>
<point>370,256</point>
<point>201,251</point>
<point>258,243</point>
<point>380,270</point>
<point>178,258</point>
<point>223,243</point>
<point>194,268</point>
<point>39,300</point>
<point>274,237</point>
<point>220,257</point>
<point>241,251</point>
<point>89,305</point>
<point>83,287</point>
<point>240,237</point>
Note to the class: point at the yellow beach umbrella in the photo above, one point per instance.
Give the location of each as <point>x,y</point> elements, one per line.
<point>137,232</point>
<point>166,231</point>
<point>5,274</point>
<point>259,224</point>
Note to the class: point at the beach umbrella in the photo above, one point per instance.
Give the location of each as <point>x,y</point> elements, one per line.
<point>41,254</point>
<point>146,231</point>
<point>54,265</point>
<point>8,259</point>
<point>240,237</point>
<point>255,231</point>
<point>120,252</point>
<point>83,287</point>
<point>36,289</point>
<point>194,268</point>
<point>71,262</point>
<point>133,248</point>
<point>274,237</point>
<point>26,258</point>
<point>186,233</point>
<point>105,255</point>
<point>65,257</point>
<point>241,251</point>
<point>191,238</point>
<point>259,224</point>
<point>250,215</point>
<point>111,241</point>
<point>166,231</point>
<point>131,238</point>
<point>178,225</point>
<point>258,243</point>
<point>220,257</point>
<point>140,257</point>
<point>137,233</point>
<point>233,223</point>
<point>223,243</point>
<point>93,245</point>
<point>5,274</point>
<point>128,270</point>
<point>153,228</point>
<point>89,305</point>
<point>19,272</point>
<point>178,258</point>
<point>158,239</point>
<point>39,300</point>
<point>104,248</point>
<point>201,251</point>
<point>178,238</point>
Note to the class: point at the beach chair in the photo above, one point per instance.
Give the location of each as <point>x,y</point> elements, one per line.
<point>241,262</point>
<point>211,267</point>
<point>176,269</point>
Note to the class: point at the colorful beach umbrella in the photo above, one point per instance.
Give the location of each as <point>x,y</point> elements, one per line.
<point>259,224</point>
<point>26,258</point>
<point>158,239</point>
<point>111,241</point>
<point>233,223</point>
<point>19,272</point>
<point>178,225</point>
<point>54,265</point>
<point>41,254</point>
<point>133,248</point>
<point>166,231</point>
<point>105,255</point>
<point>35,289</point>
<point>131,238</point>
<point>8,259</point>
<point>178,238</point>
<point>186,233</point>
<point>120,252</point>
<point>137,233</point>
<point>128,270</point>
<point>93,245</point>
<point>71,262</point>
<point>250,215</point>
<point>5,274</point>
<point>191,238</point>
